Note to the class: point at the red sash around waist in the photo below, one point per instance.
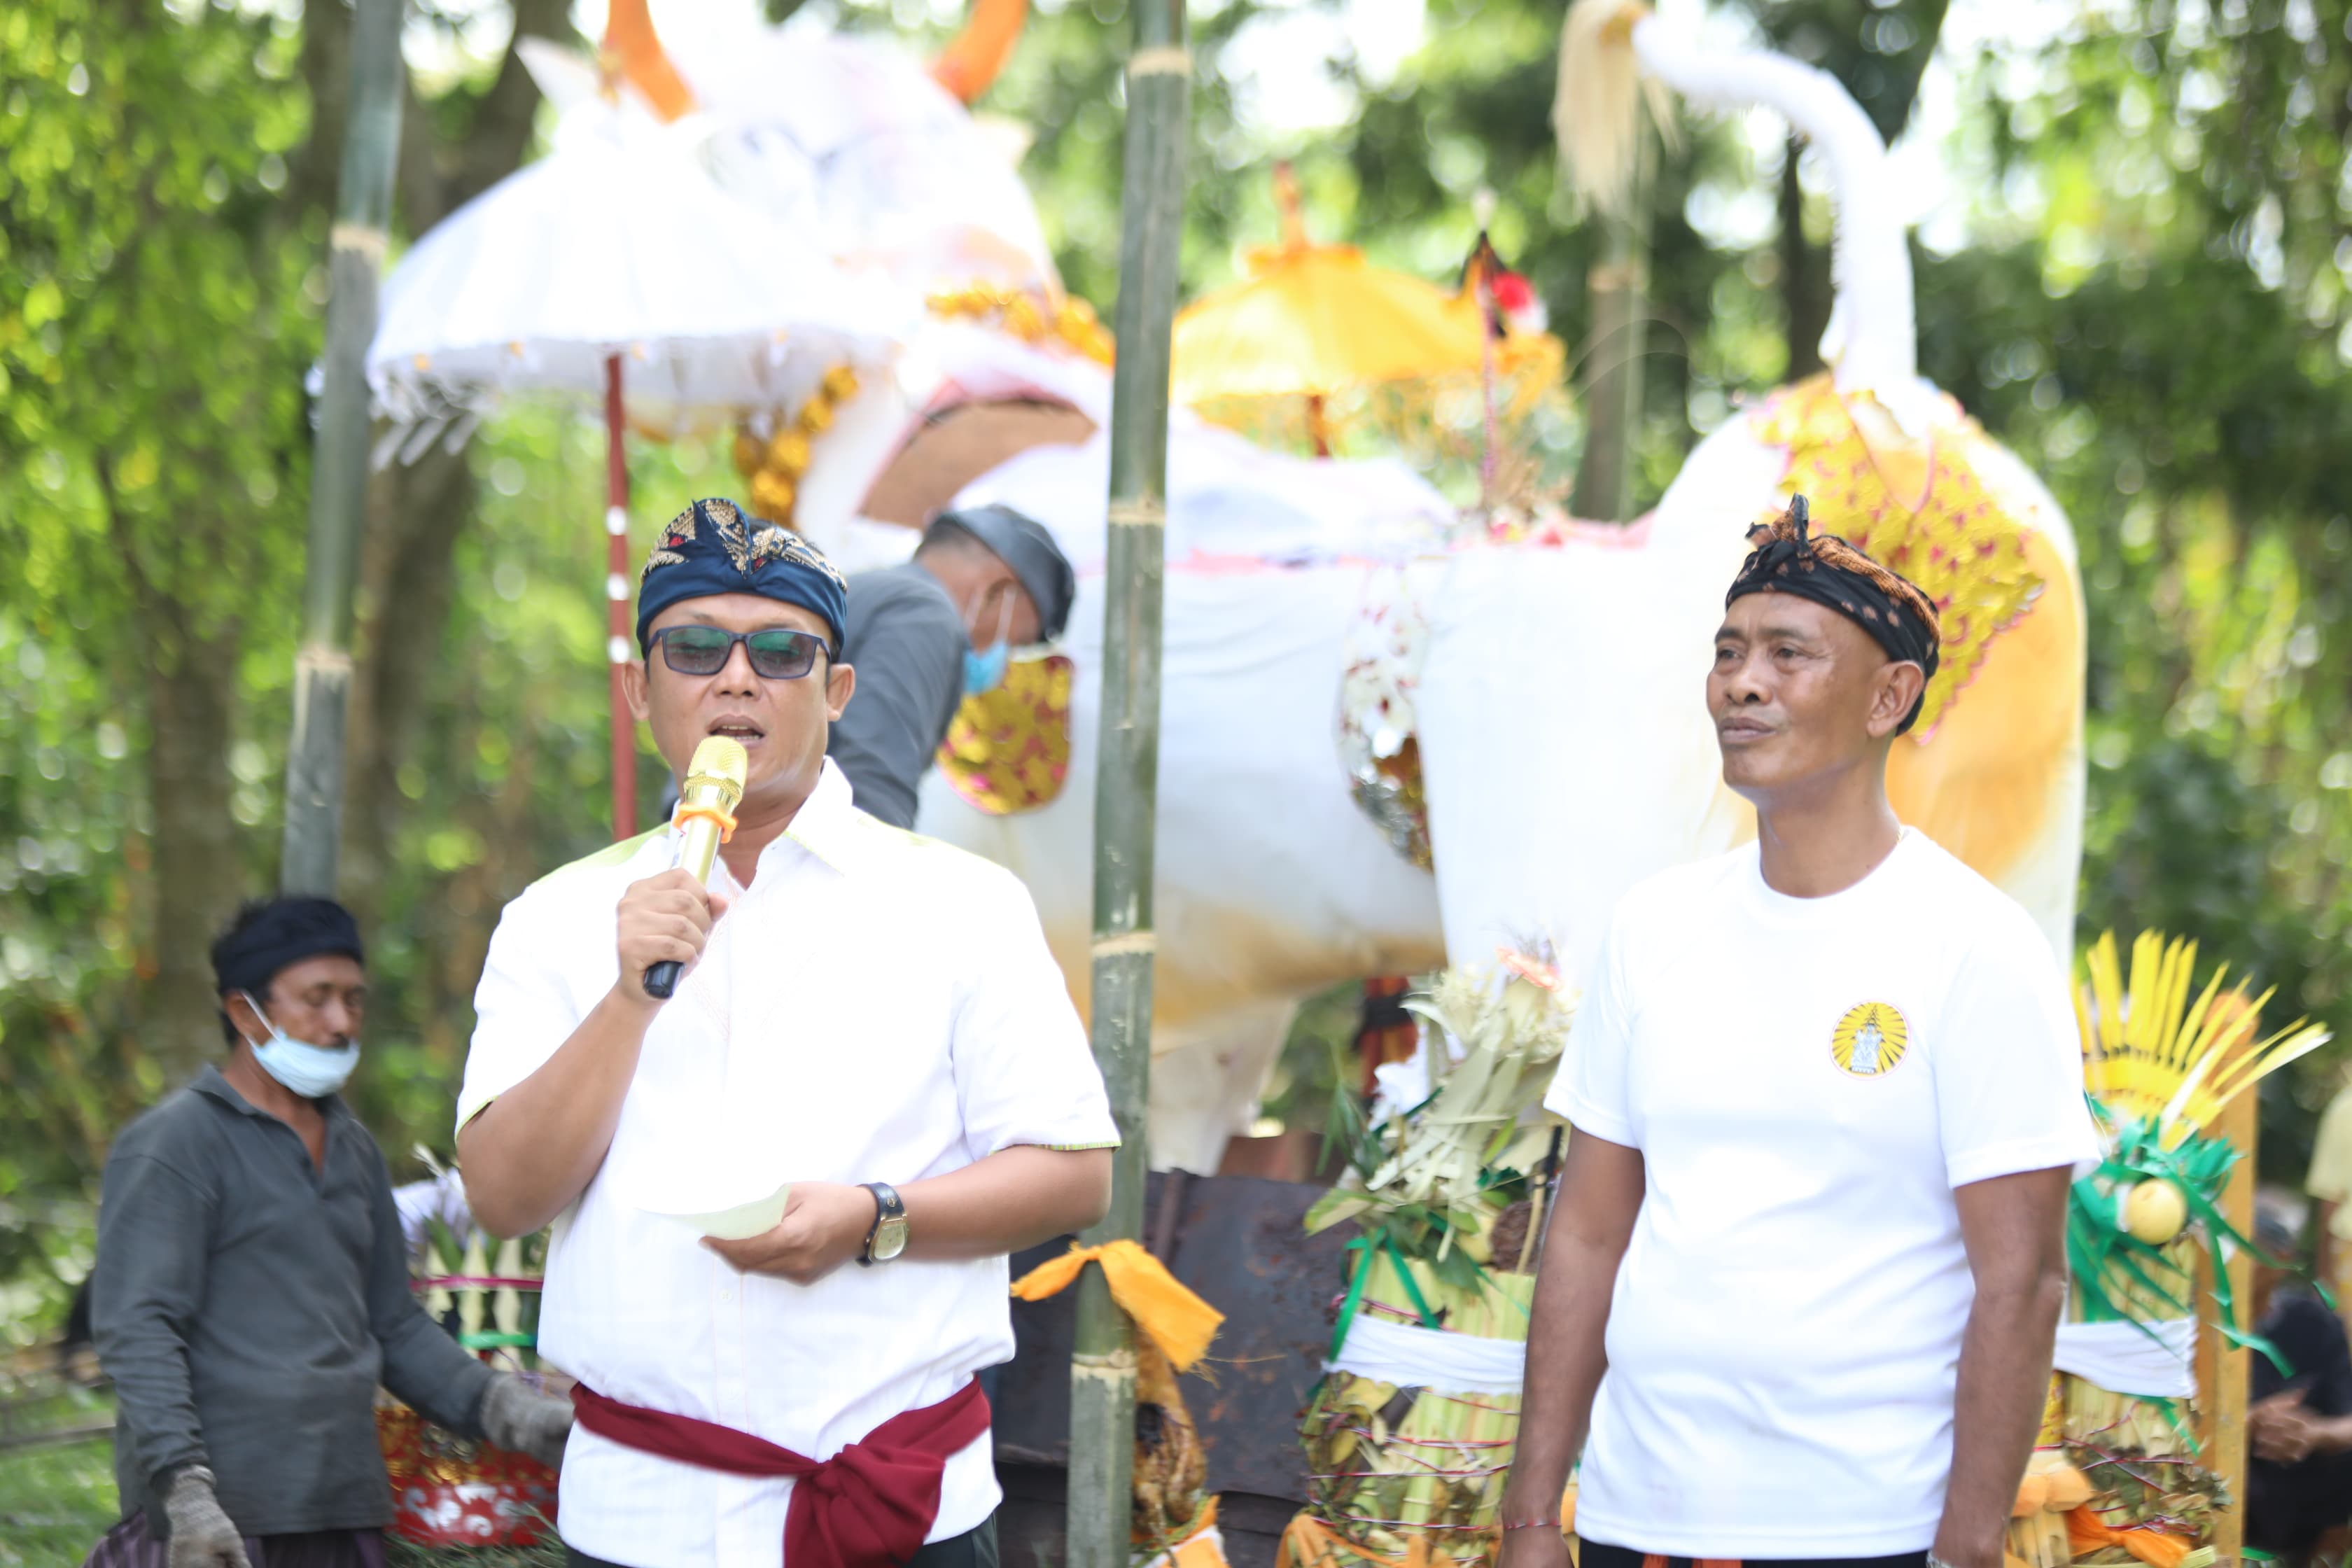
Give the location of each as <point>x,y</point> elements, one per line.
<point>869,1505</point>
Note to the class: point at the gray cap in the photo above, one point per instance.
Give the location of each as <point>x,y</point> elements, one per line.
<point>1022,543</point>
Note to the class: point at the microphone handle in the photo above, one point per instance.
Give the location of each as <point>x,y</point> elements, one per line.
<point>702,847</point>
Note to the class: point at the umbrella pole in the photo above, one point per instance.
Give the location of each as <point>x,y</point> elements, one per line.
<point>617,603</point>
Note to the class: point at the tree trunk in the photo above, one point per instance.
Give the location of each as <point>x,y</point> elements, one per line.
<point>1614,370</point>
<point>408,574</point>
<point>1804,274</point>
<point>199,870</point>
<point>187,686</point>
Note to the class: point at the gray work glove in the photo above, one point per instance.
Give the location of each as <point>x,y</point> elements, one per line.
<point>521,1420</point>
<point>201,1535</point>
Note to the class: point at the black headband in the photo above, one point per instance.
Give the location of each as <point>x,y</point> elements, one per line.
<point>265,939</point>
<point>1827,570</point>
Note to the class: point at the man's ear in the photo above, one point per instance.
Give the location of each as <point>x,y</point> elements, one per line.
<point>1899,684</point>
<point>635,686</point>
<point>840,684</point>
<point>242,1017</point>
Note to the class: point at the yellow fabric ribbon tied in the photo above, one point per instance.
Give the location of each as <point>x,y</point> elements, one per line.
<point>1163,1307</point>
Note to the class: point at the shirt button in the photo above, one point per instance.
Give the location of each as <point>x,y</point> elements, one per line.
<point>727,1292</point>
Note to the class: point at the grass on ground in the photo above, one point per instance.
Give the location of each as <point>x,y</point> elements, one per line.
<point>55,1501</point>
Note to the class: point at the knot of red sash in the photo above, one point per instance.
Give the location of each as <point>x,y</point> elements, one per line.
<point>869,1505</point>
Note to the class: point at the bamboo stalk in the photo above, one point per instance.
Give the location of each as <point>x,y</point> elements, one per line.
<point>2221,1371</point>
<point>322,663</point>
<point>1102,1360</point>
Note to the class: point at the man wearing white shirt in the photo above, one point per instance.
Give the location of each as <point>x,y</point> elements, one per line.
<point>870,1017</point>
<point>1802,1279</point>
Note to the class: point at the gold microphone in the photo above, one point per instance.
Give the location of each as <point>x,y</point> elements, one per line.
<point>714,784</point>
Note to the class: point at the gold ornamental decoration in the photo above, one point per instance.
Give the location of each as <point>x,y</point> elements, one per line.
<point>1008,751</point>
<point>1021,314</point>
<point>1919,509</point>
<point>775,462</point>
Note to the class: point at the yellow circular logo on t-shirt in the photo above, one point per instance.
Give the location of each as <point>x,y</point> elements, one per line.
<point>1870,1039</point>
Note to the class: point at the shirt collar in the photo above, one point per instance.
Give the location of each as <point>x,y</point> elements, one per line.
<point>210,1081</point>
<point>828,825</point>
<point>827,819</point>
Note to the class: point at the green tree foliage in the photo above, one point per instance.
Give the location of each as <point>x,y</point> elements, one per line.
<point>153,427</point>
<point>164,174</point>
<point>2154,314</point>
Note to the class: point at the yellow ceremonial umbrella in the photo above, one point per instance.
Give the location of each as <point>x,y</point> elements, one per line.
<point>1313,321</point>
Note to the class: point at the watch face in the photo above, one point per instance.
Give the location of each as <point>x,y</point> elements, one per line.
<point>889,1239</point>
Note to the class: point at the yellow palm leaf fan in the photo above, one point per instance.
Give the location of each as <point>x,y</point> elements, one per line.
<point>2151,1054</point>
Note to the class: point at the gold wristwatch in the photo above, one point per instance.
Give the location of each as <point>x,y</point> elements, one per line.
<point>888,1236</point>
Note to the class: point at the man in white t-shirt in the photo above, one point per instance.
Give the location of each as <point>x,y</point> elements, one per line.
<point>1808,1258</point>
<point>870,1017</point>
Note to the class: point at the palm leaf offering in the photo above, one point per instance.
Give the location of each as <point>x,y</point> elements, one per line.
<point>1446,1197</point>
<point>2159,1068</point>
<point>2117,1475</point>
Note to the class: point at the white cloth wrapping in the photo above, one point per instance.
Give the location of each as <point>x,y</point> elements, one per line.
<point>1414,1357</point>
<point>2148,1361</point>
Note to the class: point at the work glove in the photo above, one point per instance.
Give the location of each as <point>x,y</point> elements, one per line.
<point>203,1536</point>
<point>522,1420</point>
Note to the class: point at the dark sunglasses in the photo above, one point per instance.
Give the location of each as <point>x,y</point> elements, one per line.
<point>778,654</point>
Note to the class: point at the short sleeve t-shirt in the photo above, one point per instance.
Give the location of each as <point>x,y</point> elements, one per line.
<point>1808,1081</point>
<point>2330,1176</point>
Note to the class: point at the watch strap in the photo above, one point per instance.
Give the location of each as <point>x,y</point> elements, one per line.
<point>886,1207</point>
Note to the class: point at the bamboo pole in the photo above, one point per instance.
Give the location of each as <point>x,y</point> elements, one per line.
<point>1613,367</point>
<point>2222,1369</point>
<point>322,663</point>
<point>1127,776</point>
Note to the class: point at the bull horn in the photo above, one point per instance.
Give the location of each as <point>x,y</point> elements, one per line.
<point>1873,341</point>
<point>970,63</point>
<point>632,51</point>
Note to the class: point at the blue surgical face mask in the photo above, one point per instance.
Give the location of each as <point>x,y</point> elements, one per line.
<point>984,671</point>
<point>309,1070</point>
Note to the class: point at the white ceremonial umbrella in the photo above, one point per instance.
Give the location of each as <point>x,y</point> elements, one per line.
<point>614,266</point>
<point>851,136</point>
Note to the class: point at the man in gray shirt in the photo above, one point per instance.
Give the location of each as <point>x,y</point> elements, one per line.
<point>925,636</point>
<point>251,1288</point>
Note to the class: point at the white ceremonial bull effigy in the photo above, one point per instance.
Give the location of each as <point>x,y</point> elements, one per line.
<point>1552,685</point>
<point>1387,739</point>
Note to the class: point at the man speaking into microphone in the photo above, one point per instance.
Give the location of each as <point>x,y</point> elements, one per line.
<point>867,1018</point>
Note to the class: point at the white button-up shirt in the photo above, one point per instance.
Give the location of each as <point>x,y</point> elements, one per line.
<point>875,1006</point>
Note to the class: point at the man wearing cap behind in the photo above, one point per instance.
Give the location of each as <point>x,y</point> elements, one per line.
<point>925,636</point>
<point>251,1288</point>
<point>1802,1281</point>
<point>870,1022</point>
